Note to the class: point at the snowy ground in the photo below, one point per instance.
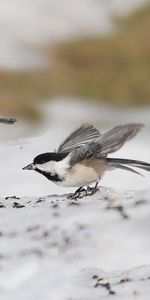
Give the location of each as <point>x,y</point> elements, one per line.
<point>24,24</point>
<point>52,248</point>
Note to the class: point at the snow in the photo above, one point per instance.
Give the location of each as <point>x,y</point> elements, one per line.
<point>58,245</point>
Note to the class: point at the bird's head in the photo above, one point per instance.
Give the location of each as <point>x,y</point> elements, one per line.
<point>40,162</point>
<point>46,164</point>
<point>45,161</point>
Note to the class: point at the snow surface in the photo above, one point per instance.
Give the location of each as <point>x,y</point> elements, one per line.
<point>55,248</point>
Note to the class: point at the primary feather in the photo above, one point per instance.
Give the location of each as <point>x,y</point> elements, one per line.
<point>114,139</point>
<point>81,137</point>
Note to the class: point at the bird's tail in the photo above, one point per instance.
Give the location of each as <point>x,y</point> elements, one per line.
<point>122,163</point>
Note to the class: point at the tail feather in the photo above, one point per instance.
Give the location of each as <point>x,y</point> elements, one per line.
<point>120,162</point>
<point>128,169</point>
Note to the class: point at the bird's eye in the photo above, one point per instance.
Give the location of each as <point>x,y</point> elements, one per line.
<point>43,162</point>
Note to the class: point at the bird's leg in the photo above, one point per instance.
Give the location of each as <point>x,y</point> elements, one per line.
<point>92,190</point>
<point>77,193</point>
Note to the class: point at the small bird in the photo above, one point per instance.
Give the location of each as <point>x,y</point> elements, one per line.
<point>82,158</point>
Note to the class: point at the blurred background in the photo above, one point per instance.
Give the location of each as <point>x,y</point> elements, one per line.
<point>63,63</point>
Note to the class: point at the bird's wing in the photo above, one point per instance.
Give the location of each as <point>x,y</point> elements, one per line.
<point>106,143</point>
<point>82,137</point>
<point>114,139</point>
<point>82,153</point>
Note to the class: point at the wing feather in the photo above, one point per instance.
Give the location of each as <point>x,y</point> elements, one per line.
<point>105,144</point>
<point>114,139</point>
<point>85,152</point>
<point>83,136</point>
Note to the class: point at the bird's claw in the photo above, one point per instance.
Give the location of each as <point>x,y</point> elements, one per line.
<point>92,190</point>
<point>78,194</point>
<point>83,193</point>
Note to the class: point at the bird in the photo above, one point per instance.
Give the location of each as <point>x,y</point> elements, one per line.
<point>82,159</point>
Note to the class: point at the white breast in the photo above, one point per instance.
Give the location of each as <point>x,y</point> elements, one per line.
<point>82,174</point>
<point>85,173</point>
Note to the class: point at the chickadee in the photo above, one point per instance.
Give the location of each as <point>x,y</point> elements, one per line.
<point>82,158</point>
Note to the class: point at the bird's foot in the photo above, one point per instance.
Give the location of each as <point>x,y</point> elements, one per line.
<point>92,190</point>
<point>80,193</point>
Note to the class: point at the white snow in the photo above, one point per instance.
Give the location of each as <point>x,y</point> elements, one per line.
<point>54,246</point>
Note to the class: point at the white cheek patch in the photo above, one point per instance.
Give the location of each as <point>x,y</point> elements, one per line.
<point>55,167</point>
<point>49,167</point>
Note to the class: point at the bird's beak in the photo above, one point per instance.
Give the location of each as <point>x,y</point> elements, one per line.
<point>29,167</point>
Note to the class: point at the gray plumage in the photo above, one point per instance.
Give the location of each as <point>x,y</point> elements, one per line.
<point>91,143</point>
<point>81,137</point>
<point>122,167</point>
<point>114,139</point>
<point>87,142</point>
<point>134,163</point>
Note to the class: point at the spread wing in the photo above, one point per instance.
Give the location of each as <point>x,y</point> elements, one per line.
<point>106,143</point>
<point>114,139</point>
<point>82,137</point>
<point>88,151</point>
